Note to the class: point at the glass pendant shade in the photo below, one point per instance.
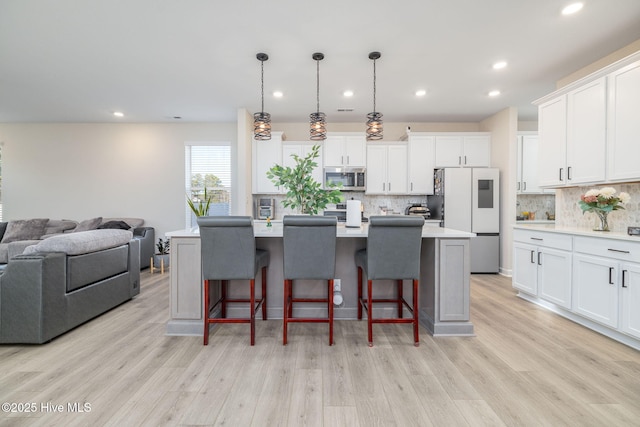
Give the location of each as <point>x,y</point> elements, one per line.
<point>262,120</point>
<point>317,120</point>
<point>374,119</point>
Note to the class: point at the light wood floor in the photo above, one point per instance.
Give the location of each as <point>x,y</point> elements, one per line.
<point>526,366</point>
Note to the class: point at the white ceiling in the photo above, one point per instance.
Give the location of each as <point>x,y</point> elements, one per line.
<point>78,60</point>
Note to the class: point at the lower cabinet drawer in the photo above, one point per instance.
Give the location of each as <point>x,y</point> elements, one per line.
<point>616,249</point>
<point>540,238</point>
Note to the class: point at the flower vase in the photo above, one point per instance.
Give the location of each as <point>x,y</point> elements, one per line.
<point>603,223</point>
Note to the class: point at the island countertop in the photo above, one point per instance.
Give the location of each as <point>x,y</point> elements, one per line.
<point>260,229</point>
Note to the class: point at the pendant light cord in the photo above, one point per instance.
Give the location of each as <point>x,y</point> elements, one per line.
<point>374,85</point>
<point>317,85</point>
<point>262,84</point>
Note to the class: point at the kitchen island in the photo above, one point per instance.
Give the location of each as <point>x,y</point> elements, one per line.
<point>443,294</point>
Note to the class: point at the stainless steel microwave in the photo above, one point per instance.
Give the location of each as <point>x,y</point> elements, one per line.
<point>352,179</point>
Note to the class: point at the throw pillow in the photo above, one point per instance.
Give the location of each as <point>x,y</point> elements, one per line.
<point>24,229</point>
<point>121,225</point>
<point>88,224</point>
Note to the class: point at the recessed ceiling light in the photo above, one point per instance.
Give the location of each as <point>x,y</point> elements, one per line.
<point>278,94</point>
<point>118,113</point>
<point>494,93</point>
<point>421,92</point>
<point>499,65</point>
<point>572,8</point>
<point>347,93</point>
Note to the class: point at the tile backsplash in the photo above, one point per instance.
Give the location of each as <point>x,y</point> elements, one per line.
<point>538,203</point>
<point>569,214</point>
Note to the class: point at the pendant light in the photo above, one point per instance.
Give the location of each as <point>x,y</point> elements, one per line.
<point>374,119</point>
<point>318,130</point>
<point>262,120</point>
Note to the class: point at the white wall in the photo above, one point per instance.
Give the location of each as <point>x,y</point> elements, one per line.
<point>80,171</point>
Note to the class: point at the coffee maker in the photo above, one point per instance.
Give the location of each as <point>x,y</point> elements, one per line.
<point>266,208</point>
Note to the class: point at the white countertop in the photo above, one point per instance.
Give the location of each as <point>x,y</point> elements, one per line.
<point>576,231</point>
<point>260,229</point>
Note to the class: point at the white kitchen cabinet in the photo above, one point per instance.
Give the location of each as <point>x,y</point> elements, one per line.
<point>421,164</point>
<point>345,150</point>
<point>623,127</point>
<point>463,150</point>
<point>266,154</point>
<point>586,133</point>
<point>527,165</point>
<point>542,263</point>
<point>301,149</point>
<point>387,169</point>
<point>595,293</point>
<point>630,296</point>
<point>572,144</point>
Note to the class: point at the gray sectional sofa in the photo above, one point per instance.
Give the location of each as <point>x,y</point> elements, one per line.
<point>16,235</point>
<point>66,280</point>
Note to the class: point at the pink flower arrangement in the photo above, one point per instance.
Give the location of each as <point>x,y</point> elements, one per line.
<point>603,200</point>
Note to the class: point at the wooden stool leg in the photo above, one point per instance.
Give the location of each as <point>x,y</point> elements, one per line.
<point>252,303</point>
<point>359,293</point>
<point>206,312</point>
<point>264,293</point>
<point>400,296</point>
<point>331,312</point>
<point>369,313</point>
<point>285,312</point>
<point>416,315</point>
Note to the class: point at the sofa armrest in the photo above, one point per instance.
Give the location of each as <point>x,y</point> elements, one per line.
<point>32,305</point>
<point>147,237</point>
<point>18,247</point>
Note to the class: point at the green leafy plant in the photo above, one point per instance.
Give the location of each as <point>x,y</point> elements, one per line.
<point>303,192</point>
<point>200,207</point>
<point>162,246</point>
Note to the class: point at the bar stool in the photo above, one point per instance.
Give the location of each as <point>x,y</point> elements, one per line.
<point>309,253</point>
<point>393,252</point>
<point>228,251</point>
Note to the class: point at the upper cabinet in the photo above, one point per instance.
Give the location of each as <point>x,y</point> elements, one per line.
<point>624,124</point>
<point>527,170</point>
<point>347,150</point>
<point>588,130</point>
<point>266,154</point>
<point>301,149</point>
<point>463,150</point>
<point>387,168</point>
<point>421,164</point>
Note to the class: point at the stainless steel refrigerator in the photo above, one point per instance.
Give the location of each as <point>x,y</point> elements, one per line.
<point>468,199</point>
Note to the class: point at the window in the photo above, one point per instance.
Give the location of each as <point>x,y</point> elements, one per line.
<point>208,165</point>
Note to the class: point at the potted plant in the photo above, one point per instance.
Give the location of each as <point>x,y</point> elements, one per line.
<point>304,194</point>
<point>200,207</point>
<point>161,257</point>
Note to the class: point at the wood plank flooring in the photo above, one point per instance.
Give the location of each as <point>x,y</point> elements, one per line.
<point>525,367</point>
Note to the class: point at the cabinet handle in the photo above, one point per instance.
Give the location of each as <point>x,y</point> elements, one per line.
<point>412,186</point>
<point>569,173</point>
<point>518,186</point>
<point>389,186</point>
<point>537,238</point>
<point>611,275</point>
<point>383,186</point>
<point>618,250</point>
<point>539,259</point>
<point>465,160</point>
<point>459,160</point>
<point>524,186</point>
<point>561,174</point>
<point>347,159</point>
<point>624,282</point>
<point>342,160</point>
<point>532,260</point>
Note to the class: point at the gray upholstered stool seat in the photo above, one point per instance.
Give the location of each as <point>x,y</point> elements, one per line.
<point>309,253</point>
<point>393,252</point>
<point>228,251</point>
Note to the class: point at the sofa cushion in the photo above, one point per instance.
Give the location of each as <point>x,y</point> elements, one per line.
<point>83,242</point>
<point>88,224</point>
<point>24,229</point>
<point>114,225</point>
